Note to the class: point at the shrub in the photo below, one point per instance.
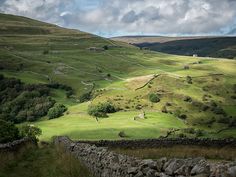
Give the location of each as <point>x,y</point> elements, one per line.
<point>187,99</point>
<point>218,110</point>
<point>105,47</point>
<point>199,133</point>
<point>224,120</point>
<point>164,109</point>
<point>122,134</point>
<point>189,79</point>
<point>45,52</point>
<point>154,98</point>
<point>30,131</point>
<point>182,116</point>
<point>56,111</point>
<point>8,132</point>
<point>101,109</point>
<point>233,97</point>
<point>85,97</point>
<point>186,67</point>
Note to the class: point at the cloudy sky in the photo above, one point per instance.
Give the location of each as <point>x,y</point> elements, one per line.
<point>132,17</point>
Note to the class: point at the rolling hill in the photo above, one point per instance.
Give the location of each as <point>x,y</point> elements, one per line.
<point>196,95</point>
<point>209,46</point>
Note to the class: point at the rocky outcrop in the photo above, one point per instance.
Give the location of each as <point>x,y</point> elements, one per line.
<point>104,163</point>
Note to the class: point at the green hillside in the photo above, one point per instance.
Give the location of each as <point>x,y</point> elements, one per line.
<point>195,95</point>
<point>219,47</point>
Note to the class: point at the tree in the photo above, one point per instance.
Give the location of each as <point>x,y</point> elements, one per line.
<point>56,111</point>
<point>105,47</point>
<point>8,132</point>
<point>101,109</point>
<point>189,79</point>
<point>31,132</point>
<point>154,98</point>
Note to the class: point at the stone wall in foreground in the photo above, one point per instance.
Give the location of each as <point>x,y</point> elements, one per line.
<point>15,145</point>
<point>13,150</point>
<point>104,163</point>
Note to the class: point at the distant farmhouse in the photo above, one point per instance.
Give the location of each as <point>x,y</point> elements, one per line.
<point>96,49</point>
<point>195,55</point>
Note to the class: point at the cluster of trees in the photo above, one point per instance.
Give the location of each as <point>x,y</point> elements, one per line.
<point>101,109</point>
<point>56,111</point>
<point>21,102</point>
<point>9,132</point>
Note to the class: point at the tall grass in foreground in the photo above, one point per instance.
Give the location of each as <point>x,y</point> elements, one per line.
<point>46,161</point>
<point>180,151</point>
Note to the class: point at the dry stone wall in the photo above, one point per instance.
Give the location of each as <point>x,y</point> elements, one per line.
<point>15,145</point>
<point>104,163</point>
<point>13,150</point>
<point>152,143</point>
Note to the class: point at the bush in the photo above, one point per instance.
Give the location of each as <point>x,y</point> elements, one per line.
<point>105,47</point>
<point>218,110</point>
<point>101,109</point>
<point>189,79</point>
<point>164,109</point>
<point>30,131</point>
<point>56,111</point>
<point>85,97</point>
<point>154,98</point>
<point>183,116</point>
<point>122,134</point>
<point>199,133</point>
<point>45,52</point>
<point>187,99</point>
<point>8,132</point>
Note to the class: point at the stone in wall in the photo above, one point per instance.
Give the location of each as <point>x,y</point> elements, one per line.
<point>104,163</point>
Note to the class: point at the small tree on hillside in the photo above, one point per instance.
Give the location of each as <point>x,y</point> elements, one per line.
<point>154,98</point>
<point>189,79</point>
<point>56,111</point>
<point>31,132</point>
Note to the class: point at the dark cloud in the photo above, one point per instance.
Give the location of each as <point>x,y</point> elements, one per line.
<point>120,17</point>
<point>129,17</point>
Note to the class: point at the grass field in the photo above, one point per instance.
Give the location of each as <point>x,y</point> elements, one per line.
<point>46,161</point>
<point>180,151</point>
<point>37,52</point>
<point>78,125</point>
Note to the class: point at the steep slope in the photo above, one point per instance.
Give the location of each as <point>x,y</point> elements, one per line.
<point>40,52</point>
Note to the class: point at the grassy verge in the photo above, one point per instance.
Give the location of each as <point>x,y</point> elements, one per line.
<point>44,161</point>
<point>180,151</point>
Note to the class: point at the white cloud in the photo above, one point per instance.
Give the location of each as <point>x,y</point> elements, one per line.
<point>176,17</point>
